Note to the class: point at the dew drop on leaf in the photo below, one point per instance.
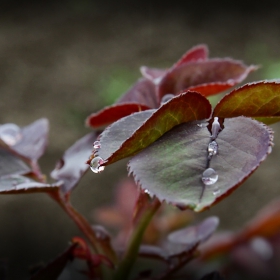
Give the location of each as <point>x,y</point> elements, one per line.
<point>166,98</point>
<point>209,176</point>
<point>212,148</point>
<point>10,134</point>
<point>96,145</point>
<point>95,165</point>
<point>215,128</point>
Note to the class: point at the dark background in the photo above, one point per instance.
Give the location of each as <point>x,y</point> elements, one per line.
<point>64,60</point>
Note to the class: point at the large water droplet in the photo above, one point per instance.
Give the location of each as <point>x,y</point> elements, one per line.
<point>10,134</point>
<point>212,148</point>
<point>209,176</point>
<point>215,128</point>
<point>96,145</point>
<point>166,98</point>
<point>95,165</point>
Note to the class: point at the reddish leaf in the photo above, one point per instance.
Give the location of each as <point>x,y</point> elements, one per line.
<point>171,168</point>
<point>261,99</point>
<point>133,133</point>
<point>203,72</point>
<point>72,165</point>
<point>197,53</point>
<point>152,74</point>
<point>142,92</point>
<point>53,269</point>
<point>113,113</point>
<point>29,141</point>
<point>17,184</point>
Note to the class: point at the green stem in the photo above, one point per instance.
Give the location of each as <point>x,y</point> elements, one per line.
<point>135,239</point>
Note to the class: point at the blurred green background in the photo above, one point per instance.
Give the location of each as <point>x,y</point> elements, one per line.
<point>66,59</point>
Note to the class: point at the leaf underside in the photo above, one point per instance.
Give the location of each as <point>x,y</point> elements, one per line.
<point>135,132</point>
<point>259,100</point>
<point>171,168</point>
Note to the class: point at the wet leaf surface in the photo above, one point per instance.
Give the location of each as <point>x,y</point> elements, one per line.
<point>17,184</point>
<point>11,164</point>
<point>133,133</point>
<point>72,165</point>
<point>171,168</point>
<point>203,72</point>
<point>113,113</point>
<point>261,99</point>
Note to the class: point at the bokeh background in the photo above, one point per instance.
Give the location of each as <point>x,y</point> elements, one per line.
<point>66,59</point>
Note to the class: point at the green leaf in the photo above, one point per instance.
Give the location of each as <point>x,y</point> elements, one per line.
<point>258,100</point>
<point>171,168</point>
<point>135,132</point>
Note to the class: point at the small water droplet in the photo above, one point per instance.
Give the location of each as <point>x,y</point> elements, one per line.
<point>269,149</point>
<point>96,145</point>
<point>148,192</point>
<point>199,125</point>
<point>215,128</point>
<point>95,165</point>
<point>166,98</point>
<point>209,176</point>
<point>212,148</point>
<point>216,191</point>
<point>262,247</point>
<point>10,134</point>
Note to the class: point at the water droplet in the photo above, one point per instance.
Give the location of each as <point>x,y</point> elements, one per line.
<point>166,98</point>
<point>10,134</point>
<point>212,148</point>
<point>148,192</point>
<point>209,176</point>
<point>95,165</point>
<point>215,128</point>
<point>216,191</point>
<point>96,145</point>
<point>199,125</point>
<point>269,149</point>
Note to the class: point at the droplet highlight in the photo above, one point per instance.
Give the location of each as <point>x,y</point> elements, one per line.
<point>95,165</point>
<point>166,98</point>
<point>96,145</point>
<point>216,192</point>
<point>209,177</point>
<point>215,128</point>
<point>10,134</point>
<point>212,148</point>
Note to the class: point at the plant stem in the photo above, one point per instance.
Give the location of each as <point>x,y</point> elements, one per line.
<point>135,238</point>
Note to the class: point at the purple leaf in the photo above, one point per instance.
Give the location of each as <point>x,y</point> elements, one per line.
<point>29,141</point>
<point>172,167</point>
<point>72,165</point>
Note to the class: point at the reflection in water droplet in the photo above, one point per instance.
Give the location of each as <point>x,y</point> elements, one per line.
<point>215,128</point>
<point>212,148</point>
<point>166,98</point>
<point>10,134</point>
<point>209,176</point>
<point>96,145</point>
<point>95,165</point>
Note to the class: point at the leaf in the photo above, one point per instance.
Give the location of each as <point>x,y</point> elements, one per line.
<point>17,184</point>
<point>135,132</point>
<point>113,113</point>
<point>185,239</point>
<point>199,52</point>
<point>10,164</point>
<point>29,141</point>
<point>203,72</point>
<point>53,269</point>
<point>171,168</point>
<point>261,99</point>
<point>72,165</point>
<point>142,92</point>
